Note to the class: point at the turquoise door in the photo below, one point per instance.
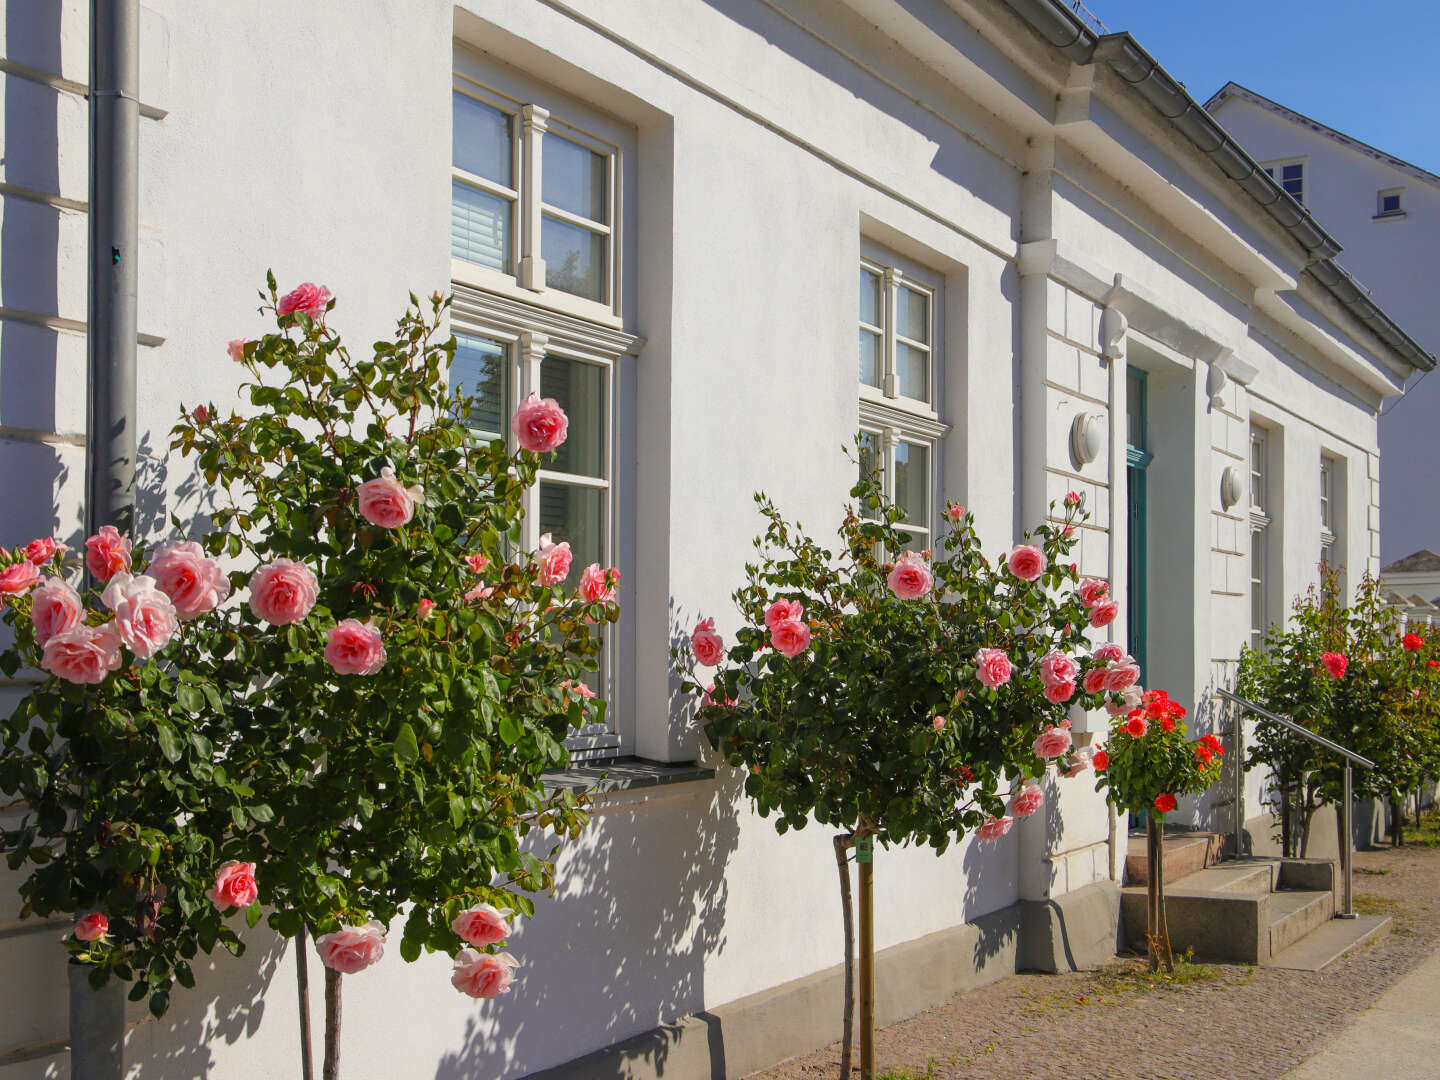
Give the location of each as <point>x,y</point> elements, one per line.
<point>1137,461</point>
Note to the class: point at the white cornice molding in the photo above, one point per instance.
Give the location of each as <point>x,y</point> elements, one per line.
<point>514,317</point>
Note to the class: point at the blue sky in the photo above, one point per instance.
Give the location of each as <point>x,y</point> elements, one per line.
<point>1367,69</point>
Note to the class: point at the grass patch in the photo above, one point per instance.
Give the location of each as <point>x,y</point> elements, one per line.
<point>1375,871</point>
<point>909,1074</point>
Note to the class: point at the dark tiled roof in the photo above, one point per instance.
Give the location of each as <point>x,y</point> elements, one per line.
<point>1422,560</point>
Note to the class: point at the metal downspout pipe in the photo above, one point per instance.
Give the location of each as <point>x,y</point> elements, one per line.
<point>97,1017</point>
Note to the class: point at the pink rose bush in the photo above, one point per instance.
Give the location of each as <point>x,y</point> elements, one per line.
<point>352,949</point>
<point>482,974</point>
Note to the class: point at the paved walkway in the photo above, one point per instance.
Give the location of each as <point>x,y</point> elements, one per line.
<point>1397,1036</point>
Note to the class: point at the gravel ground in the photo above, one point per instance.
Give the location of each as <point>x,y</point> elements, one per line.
<point>1212,1022</point>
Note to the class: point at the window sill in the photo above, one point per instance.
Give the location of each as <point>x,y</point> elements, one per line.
<point>1396,216</point>
<point>626,774</point>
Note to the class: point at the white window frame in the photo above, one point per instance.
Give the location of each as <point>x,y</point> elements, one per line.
<point>1380,197</point>
<point>521,99</point>
<point>1260,522</point>
<point>1327,508</point>
<point>1276,171</point>
<point>884,413</point>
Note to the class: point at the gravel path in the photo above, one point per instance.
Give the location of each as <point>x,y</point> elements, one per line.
<point>1213,1023</point>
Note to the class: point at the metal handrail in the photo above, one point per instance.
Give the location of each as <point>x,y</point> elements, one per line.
<point>1347,840</point>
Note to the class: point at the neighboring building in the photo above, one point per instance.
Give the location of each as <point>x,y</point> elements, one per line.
<point>1385,213</point>
<point>989,198</point>
<point>1412,585</point>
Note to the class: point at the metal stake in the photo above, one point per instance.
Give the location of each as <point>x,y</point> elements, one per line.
<point>1347,850</point>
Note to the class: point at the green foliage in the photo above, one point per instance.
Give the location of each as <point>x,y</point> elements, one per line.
<point>846,732</point>
<point>1147,757</point>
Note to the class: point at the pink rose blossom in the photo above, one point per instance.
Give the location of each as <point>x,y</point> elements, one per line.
<point>579,689</point>
<point>41,551</point>
<point>791,637</point>
<point>554,561</point>
<point>477,562</point>
<point>482,925</point>
<point>1059,693</point>
<point>1053,742</point>
<point>938,723</point>
<point>234,886</point>
<point>107,553</point>
<point>83,654</point>
<point>597,585</point>
<point>911,578</point>
<point>283,592</point>
<point>479,592</point>
<point>1335,664</point>
<point>781,610</point>
<point>1079,763</point>
<point>194,582</point>
<point>352,949</point>
<point>1108,651</point>
<point>1027,800</point>
<point>386,502</point>
<point>992,667</point>
<point>483,975</point>
<point>201,414</point>
<point>955,511</point>
<point>708,646</point>
<point>1026,562</point>
<point>56,608</point>
<point>1057,668</point>
<point>1092,591</point>
<point>19,578</point>
<point>144,616</point>
<point>994,829</point>
<point>92,927</point>
<point>236,349</point>
<point>1094,682</point>
<point>352,648</point>
<point>1072,498</point>
<point>540,425</point>
<point>425,608</point>
<point>1104,613</point>
<point>307,299</point>
<point>1120,674</point>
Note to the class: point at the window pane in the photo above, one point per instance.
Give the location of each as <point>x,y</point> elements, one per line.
<point>480,372</point>
<point>912,315</point>
<point>479,227</point>
<point>575,515</point>
<point>870,306</point>
<point>574,259</point>
<point>480,141</point>
<point>580,390</point>
<point>1292,172</point>
<point>912,482</point>
<point>1135,411</point>
<point>1257,580</point>
<point>870,358</point>
<point>915,541</point>
<point>912,366</point>
<point>869,464</point>
<point>574,178</point>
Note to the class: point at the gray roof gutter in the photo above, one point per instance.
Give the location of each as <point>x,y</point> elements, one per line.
<point>1054,22</point>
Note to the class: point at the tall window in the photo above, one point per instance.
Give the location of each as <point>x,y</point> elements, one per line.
<point>1327,511</point>
<point>535,244</point>
<point>533,197</point>
<point>898,373</point>
<point>1259,536</point>
<point>1137,463</point>
<point>1290,175</point>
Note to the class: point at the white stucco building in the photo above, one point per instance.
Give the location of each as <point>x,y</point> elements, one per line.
<point>679,216</point>
<point>1385,212</point>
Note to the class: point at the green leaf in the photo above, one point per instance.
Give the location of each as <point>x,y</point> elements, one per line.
<point>252,914</point>
<point>189,698</point>
<point>407,749</point>
<point>170,744</point>
<point>510,730</point>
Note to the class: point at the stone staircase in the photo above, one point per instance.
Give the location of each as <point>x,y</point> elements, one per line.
<point>1252,910</point>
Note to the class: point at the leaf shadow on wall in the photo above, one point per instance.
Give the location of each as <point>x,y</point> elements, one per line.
<point>621,948</point>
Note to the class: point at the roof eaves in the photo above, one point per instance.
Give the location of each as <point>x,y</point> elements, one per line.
<point>1054,22</point>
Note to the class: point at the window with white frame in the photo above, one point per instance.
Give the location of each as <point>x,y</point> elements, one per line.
<point>1390,203</point>
<point>1327,511</point>
<point>1290,175</point>
<point>899,338</point>
<point>535,245</point>
<point>534,199</point>
<point>1260,520</point>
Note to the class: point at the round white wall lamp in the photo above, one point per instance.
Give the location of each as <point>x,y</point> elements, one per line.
<point>1087,437</point>
<point>1232,486</point>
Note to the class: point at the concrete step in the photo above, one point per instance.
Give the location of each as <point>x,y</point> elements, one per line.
<point>1183,853</point>
<point>1240,877</point>
<point>1295,913</point>
<point>1327,943</point>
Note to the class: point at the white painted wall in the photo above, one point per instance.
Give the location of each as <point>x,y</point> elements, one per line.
<point>769,147</point>
<point>1397,259</point>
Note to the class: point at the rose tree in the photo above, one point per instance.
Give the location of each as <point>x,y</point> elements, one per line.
<point>415,673</point>
<point>1146,763</point>
<point>903,696</point>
